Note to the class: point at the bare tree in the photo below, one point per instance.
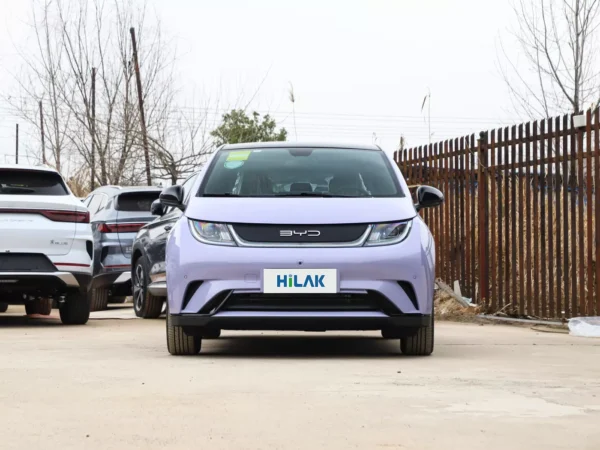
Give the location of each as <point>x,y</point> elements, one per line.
<point>181,143</point>
<point>557,41</point>
<point>75,36</point>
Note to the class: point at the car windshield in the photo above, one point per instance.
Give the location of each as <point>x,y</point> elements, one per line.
<point>31,182</point>
<point>300,172</point>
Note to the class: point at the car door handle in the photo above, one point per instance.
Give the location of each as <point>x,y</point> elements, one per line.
<point>168,227</point>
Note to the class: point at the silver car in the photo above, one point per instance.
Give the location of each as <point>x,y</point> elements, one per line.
<point>117,213</point>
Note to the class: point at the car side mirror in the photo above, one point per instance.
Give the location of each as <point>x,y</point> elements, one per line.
<point>156,209</point>
<point>428,197</point>
<point>172,196</point>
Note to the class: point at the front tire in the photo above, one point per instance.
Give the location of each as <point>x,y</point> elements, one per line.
<point>3,307</point>
<point>145,305</point>
<point>42,306</point>
<point>75,310</point>
<point>180,343</point>
<point>421,343</point>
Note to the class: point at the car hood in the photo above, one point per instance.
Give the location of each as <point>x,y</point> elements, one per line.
<point>300,210</point>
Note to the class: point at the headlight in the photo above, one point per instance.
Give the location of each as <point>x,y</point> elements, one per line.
<point>211,233</point>
<point>389,233</point>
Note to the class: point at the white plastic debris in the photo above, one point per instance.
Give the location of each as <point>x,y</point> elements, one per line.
<point>584,326</point>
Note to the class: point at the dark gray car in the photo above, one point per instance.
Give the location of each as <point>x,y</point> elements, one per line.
<point>117,213</point>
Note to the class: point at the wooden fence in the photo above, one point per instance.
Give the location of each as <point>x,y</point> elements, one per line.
<point>518,229</point>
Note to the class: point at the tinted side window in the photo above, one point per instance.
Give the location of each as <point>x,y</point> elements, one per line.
<point>87,201</point>
<point>95,203</point>
<point>103,201</point>
<point>31,182</point>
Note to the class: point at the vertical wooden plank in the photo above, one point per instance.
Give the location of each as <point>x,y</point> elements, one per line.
<point>550,187</point>
<point>438,211</point>
<point>590,310</point>
<point>597,202</point>
<point>581,232</point>
<point>565,202</point>
<point>457,242</point>
<point>536,228</point>
<point>462,234</point>
<point>500,218</point>
<point>542,219</point>
<point>506,253</point>
<point>447,205</point>
<point>473,234</point>
<point>452,204</point>
<point>559,218</point>
<point>573,227</point>
<point>522,270</point>
<point>481,206</point>
<point>468,224</point>
<point>513,218</point>
<point>492,217</point>
<point>528,237</point>
<point>408,166</point>
<point>423,180</point>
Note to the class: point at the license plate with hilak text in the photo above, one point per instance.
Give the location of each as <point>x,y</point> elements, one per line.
<point>300,281</point>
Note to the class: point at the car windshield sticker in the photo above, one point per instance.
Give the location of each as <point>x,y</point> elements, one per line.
<point>233,164</point>
<point>239,155</point>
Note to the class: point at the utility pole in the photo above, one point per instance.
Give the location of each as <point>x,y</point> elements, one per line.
<point>17,146</point>
<point>42,133</point>
<point>93,132</point>
<point>141,105</point>
<point>428,100</point>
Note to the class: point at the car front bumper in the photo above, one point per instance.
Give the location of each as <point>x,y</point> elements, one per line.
<point>200,275</point>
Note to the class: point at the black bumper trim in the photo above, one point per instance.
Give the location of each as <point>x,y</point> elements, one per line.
<point>300,323</point>
<point>103,280</point>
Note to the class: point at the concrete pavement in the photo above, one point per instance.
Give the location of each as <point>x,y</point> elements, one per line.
<point>112,385</point>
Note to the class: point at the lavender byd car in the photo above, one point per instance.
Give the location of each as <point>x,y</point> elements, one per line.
<point>289,236</point>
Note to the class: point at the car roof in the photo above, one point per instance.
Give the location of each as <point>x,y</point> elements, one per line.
<point>40,168</point>
<point>286,144</point>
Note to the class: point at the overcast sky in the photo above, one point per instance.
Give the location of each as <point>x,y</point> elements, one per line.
<point>360,69</point>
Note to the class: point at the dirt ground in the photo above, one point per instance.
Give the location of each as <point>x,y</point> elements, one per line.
<point>112,385</point>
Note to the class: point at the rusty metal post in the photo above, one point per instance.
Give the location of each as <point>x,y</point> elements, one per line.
<point>141,105</point>
<point>482,211</point>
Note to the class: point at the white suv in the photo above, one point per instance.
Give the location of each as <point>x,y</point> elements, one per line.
<point>46,244</point>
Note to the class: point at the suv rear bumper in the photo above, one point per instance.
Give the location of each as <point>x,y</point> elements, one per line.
<point>46,283</point>
<point>300,321</point>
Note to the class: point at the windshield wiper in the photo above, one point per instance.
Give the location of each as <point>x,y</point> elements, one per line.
<point>224,194</point>
<point>310,194</point>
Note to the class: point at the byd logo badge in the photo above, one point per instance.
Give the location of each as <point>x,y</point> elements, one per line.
<point>308,233</point>
<point>295,281</point>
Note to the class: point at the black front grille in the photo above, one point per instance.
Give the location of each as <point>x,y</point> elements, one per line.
<point>370,301</point>
<point>25,262</point>
<point>281,234</point>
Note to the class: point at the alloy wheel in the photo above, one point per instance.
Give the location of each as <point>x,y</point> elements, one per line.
<point>138,287</point>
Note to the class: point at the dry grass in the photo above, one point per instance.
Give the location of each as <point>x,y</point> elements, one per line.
<point>447,308</point>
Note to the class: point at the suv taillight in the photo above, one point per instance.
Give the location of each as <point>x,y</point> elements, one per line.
<point>119,227</point>
<point>67,216</point>
<point>54,215</point>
